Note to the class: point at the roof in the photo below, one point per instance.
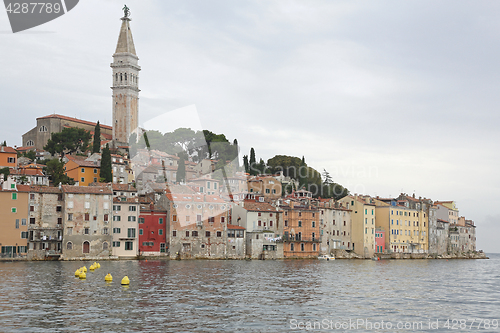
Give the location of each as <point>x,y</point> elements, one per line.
<point>232,226</point>
<point>125,42</point>
<point>84,163</point>
<point>27,172</point>
<point>8,150</point>
<point>86,189</point>
<point>439,220</point>
<point>126,201</point>
<point>76,120</point>
<point>124,188</point>
<point>258,206</point>
<point>45,189</point>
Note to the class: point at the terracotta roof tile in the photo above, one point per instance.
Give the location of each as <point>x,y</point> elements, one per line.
<point>76,120</point>
<point>86,189</point>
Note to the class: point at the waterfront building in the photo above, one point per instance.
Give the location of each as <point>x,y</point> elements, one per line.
<point>363,222</point>
<point>87,227</point>
<point>153,230</point>
<point>264,228</point>
<point>379,240</point>
<point>46,217</point>
<point>197,224</point>
<point>14,213</point>
<point>125,243</point>
<point>447,210</point>
<point>266,186</point>
<point>301,231</point>
<point>31,174</point>
<point>335,226</point>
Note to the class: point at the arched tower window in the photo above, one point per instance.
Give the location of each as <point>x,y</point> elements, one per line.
<point>30,143</point>
<point>116,77</point>
<point>43,129</point>
<point>125,76</point>
<point>121,77</point>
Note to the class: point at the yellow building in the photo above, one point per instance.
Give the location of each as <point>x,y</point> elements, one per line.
<point>363,223</point>
<point>14,221</point>
<point>405,222</point>
<point>83,172</point>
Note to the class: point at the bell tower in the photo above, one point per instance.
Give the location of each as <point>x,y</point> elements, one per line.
<point>125,85</point>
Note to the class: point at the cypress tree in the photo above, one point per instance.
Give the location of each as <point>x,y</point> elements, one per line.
<point>253,163</point>
<point>245,163</point>
<point>106,170</point>
<point>236,153</point>
<point>97,138</point>
<point>181,171</point>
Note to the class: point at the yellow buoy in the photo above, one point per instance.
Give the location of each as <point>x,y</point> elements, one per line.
<point>98,265</point>
<point>108,278</point>
<point>84,269</point>
<point>83,275</point>
<point>92,267</point>
<point>77,273</point>
<point>125,281</point>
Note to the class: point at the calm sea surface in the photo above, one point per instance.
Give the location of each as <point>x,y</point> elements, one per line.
<point>253,296</point>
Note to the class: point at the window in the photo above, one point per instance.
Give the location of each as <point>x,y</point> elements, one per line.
<point>17,223</point>
<point>14,210</point>
<point>105,245</point>
<point>131,232</point>
<point>194,233</point>
<point>259,223</point>
<point>187,233</point>
<point>116,230</point>
<point>86,231</point>
<point>286,223</point>
<point>82,179</point>
<point>132,208</point>
<point>43,129</point>
<point>207,233</point>
<point>69,246</point>
<point>219,233</point>
<point>292,247</point>
<point>105,231</point>
<point>58,209</point>
<point>106,217</point>
<point>70,216</point>
<point>222,219</point>
<point>131,219</point>
<point>59,220</point>
<point>117,208</point>
<point>23,222</point>
<point>141,232</point>
<point>87,216</point>
<point>300,223</point>
<point>270,223</point>
<point>86,247</point>
<point>117,218</point>
<point>70,231</point>
<point>14,196</point>
<point>160,231</point>
<point>314,224</point>
<point>174,218</point>
<point>211,219</point>
<point>174,233</point>
<point>314,247</point>
<point>129,246</point>
<point>141,220</point>
<point>302,247</point>
<point>87,205</point>
<point>24,234</point>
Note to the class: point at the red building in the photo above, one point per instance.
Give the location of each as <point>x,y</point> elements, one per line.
<point>153,230</point>
<point>379,240</point>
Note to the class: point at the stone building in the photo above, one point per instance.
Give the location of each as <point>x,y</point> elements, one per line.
<point>38,136</point>
<point>125,221</point>
<point>46,216</point>
<point>335,226</point>
<point>198,226</point>
<point>264,228</point>
<point>87,224</point>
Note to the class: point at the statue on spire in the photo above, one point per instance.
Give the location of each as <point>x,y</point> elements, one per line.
<point>126,11</point>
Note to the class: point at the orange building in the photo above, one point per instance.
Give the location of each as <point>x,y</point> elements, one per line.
<point>301,234</point>
<point>83,172</point>
<point>8,157</point>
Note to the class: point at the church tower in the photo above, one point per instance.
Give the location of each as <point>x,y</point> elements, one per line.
<point>125,86</point>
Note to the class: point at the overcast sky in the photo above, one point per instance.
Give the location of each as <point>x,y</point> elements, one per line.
<point>388,96</point>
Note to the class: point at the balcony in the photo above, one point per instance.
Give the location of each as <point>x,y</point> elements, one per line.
<point>297,238</point>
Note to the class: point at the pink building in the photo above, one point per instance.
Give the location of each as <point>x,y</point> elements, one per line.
<point>379,240</point>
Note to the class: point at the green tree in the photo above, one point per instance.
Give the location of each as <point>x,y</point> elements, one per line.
<point>106,170</point>
<point>253,163</point>
<point>68,141</point>
<point>181,171</point>
<point>245,163</point>
<point>6,172</point>
<point>236,153</point>
<point>55,170</point>
<point>97,139</point>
